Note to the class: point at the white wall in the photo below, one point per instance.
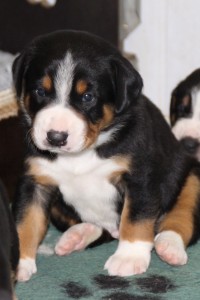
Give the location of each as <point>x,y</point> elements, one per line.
<point>167,45</point>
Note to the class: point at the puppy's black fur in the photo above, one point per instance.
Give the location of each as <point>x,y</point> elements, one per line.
<point>98,152</point>
<point>9,247</point>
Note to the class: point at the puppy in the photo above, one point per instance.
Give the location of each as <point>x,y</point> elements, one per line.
<point>101,161</point>
<point>9,248</point>
<point>185,113</point>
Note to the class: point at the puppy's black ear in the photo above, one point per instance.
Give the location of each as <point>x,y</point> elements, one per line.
<point>18,70</point>
<point>128,84</point>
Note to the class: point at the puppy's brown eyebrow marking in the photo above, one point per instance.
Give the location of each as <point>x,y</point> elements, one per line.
<point>47,82</point>
<point>81,86</point>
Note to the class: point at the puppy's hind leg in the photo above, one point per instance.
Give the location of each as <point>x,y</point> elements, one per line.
<point>77,238</point>
<point>176,230</point>
<point>77,235</point>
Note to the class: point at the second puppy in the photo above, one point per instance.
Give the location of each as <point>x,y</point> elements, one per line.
<point>185,113</point>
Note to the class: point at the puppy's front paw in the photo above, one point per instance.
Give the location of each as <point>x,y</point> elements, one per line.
<point>77,238</point>
<point>118,265</point>
<point>169,246</point>
<point>26,269</point>
<point>129,259</point>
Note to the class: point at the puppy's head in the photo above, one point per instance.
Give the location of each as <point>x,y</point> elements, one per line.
<point>71,87</point>
<point>185,113</point>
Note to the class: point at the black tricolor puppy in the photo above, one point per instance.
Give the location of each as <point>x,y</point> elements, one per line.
<point>185,113</point>
<point>9,248</point>
<point>101,160</point>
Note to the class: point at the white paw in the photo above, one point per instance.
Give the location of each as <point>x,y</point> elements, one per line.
<point>170,247</point>
<point>26,269</point>
<point>129,259</point>
<point>77,238</point>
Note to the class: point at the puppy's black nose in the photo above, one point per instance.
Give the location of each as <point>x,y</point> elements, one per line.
<point>190,144</point>
<point>57,138</point>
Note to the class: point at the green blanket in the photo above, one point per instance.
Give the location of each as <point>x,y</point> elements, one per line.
<point>81,276</point>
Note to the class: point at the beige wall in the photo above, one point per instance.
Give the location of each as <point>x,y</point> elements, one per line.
<point>167,45</point>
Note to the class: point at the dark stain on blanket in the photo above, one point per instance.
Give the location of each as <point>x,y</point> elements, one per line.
<point>155,284</point>
<point>75,290</point>
<point>123,296</point>
<point>110,282</point>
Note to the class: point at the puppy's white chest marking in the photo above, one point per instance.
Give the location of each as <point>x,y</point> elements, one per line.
<point>83,180</point>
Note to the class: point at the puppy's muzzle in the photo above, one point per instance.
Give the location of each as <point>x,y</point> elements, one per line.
<point>57,138</point>
<point>190,144</point>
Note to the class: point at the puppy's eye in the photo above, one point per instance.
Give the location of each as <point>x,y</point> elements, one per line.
<point>183,108</point>
<point>180,108</point>
<point>41,92</point>
<point>87,97</point>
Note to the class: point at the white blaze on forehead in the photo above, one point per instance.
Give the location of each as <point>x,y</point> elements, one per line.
<point>64,78</point>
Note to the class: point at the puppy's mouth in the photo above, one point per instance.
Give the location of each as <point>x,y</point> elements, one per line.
<point>61,142</point>
<point>60,148</point>
<point>58,141</point>
<point>59,130</point>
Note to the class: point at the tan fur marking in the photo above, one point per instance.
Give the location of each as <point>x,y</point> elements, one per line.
<point>94,129</point>
<point>108,115</point>
<point>27,101</point>
<point>31,231</point>
<point>56,213</point>
<point>186,100</point>
<point>180,218</point>
<point>34,170</point>
<point>81,87</point>
<point>173,119</point>
<point>47,83</point>
<point>142,230</point>
<point>116,177</point>
<point>123,162</point>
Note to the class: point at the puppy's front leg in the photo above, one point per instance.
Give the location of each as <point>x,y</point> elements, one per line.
<point>31,229</point>
<point>179,227</point>
<point>31,213</point>
<point>135,244</point>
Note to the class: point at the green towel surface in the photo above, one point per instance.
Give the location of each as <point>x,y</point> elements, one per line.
<point>81,276</point>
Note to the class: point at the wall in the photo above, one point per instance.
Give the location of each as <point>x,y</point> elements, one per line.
<point>20,21</point>
<point>167,45</point>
